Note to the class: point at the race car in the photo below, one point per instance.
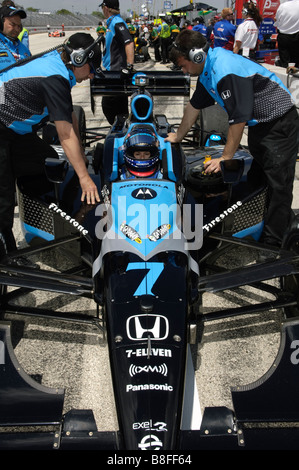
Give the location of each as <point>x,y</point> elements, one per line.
<point>145,254</point>
<point>56,34</point>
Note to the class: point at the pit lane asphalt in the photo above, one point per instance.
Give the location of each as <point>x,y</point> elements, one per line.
<point>233,352</point>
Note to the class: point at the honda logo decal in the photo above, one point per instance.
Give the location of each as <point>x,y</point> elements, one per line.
<point>226,94</point>
<point>144,326</point>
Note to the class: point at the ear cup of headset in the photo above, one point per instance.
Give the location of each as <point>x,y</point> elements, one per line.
<point>79,57</point>
<point>197,55</point>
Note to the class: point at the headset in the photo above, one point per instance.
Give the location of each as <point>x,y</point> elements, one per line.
<point>79,57</point>
<point>195,55</point>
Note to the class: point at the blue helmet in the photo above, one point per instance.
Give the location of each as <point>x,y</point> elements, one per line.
<point>141,139</point>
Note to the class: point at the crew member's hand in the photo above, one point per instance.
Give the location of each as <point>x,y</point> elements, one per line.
<point>172,137</point>
<point>292,69</point>
<point>89,190</point>
<point>213,166</point>
<point>128,71</point>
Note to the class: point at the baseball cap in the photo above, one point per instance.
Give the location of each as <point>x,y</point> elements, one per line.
<point>82,41</point>
<point>110,4</point>
<point>7,11</point>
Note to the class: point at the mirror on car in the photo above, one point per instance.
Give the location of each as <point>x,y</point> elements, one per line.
<point>56,169</point>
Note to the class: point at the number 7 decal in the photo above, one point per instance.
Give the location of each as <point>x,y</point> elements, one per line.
<point>153,272</point>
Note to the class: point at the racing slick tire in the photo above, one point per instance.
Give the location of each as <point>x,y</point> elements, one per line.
<point>291,283</point>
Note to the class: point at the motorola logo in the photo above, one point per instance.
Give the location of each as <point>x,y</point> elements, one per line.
<point>144,193</point>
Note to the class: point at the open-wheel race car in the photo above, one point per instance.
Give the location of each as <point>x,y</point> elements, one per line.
<point>56,34</point>
<point>145,254</point>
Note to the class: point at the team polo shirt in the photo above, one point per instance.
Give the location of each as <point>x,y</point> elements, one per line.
<point>245,89</point>
<point>117,36</point>
<point>36,92</point>
<point>11,51</point>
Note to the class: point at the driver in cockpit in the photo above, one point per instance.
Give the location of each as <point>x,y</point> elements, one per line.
<point>141,153</point>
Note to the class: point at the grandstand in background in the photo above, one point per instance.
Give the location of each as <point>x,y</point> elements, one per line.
<point>40,21</point>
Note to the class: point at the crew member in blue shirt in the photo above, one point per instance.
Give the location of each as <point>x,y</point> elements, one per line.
<point>253,96</point>
<point>118,56</point>
<point>200,26</point>
<point>224,30</point>
<point>32,93</point>
<point>11,48</point>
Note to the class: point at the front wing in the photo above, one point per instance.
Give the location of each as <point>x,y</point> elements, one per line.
<point>265,413</point>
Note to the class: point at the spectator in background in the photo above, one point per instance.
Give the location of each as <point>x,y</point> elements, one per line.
<point>141,46</point>
<point>132,28</point>
<point>210,28</point>
<point>11,48</point>
<point>247,33</point>
<point>174,31</point>
<point>187,25</point>
<point>224,31</point>
<point>200,26</point>
<point>164,33</point>
<point>101,31</point>
<point>155,38</point>
<point>287,23</point>
<point>118,56</point>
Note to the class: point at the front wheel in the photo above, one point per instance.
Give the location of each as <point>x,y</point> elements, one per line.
<point>290,283</point>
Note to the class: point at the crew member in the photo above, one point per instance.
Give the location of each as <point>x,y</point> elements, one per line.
<point>118,56</point>
<point>31,94</point>
<point>11,48</point>
<point>252,96</point>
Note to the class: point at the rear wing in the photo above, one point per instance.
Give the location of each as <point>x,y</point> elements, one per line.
<point>161,83</point>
